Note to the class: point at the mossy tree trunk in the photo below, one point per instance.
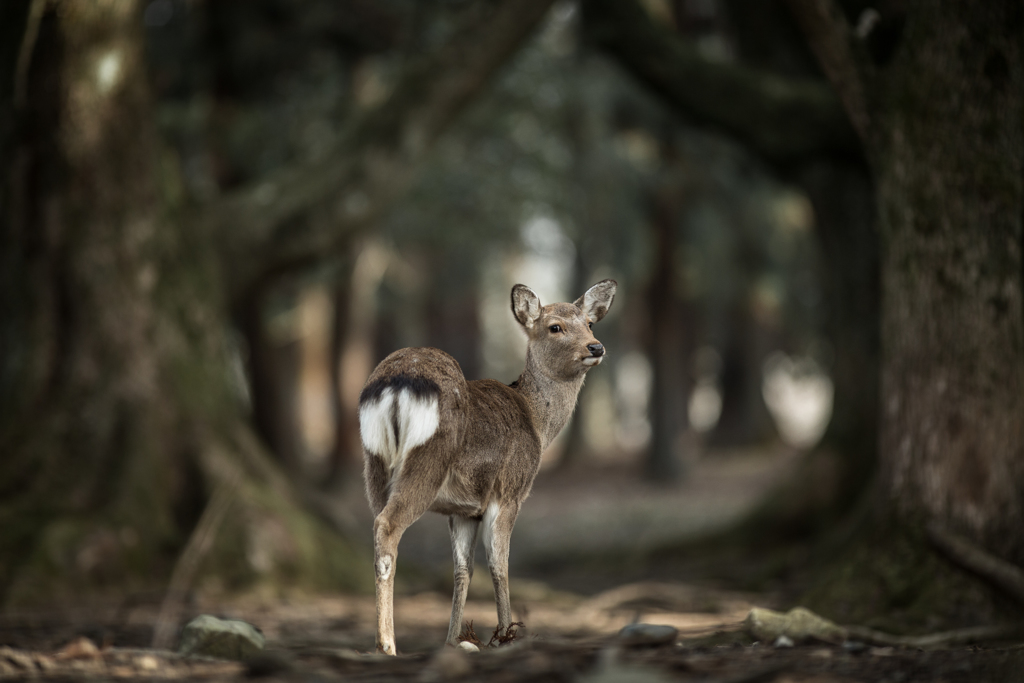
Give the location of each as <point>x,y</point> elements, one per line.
<point>942,120</point>
<point>120,413</point>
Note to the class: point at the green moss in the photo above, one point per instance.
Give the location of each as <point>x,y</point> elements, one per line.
<point>888,577</point>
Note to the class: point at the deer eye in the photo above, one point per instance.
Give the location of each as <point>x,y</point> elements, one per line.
<point>590,325</point>
<point>555,329</point>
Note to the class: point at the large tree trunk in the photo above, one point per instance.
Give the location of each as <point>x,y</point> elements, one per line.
<point>950,165</point>
<point>120,417</point>
<point>943,123</point>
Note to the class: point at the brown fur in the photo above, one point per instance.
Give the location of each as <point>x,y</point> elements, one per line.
<point>479,463</point>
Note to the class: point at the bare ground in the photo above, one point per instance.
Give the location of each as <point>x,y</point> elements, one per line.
<point>572,615</point>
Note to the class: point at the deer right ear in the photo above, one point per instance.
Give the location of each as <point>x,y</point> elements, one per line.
<point>525,306</point>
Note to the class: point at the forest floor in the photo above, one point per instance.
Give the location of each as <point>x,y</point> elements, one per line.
<point>571,610</point>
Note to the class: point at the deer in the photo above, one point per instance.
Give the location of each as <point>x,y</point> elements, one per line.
<point>433,441</point>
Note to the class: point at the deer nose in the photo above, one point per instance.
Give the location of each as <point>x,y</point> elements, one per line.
<point>596,350</point>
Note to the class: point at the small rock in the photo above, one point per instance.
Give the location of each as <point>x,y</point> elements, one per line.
<point>854,646</point>
<point>222,638</point>
<point>783,641</point>
<point>648,634</point>
<point>468,646</point>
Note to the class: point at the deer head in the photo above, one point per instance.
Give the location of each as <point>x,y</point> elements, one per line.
<point>560,342</point>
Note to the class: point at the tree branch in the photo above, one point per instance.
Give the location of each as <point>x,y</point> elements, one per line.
<point>833,43</point>
<point>373,159</point>
<point>782,119</point>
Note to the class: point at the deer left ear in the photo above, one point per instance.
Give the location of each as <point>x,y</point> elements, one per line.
<point>525,305</point>
<point>598,299</point>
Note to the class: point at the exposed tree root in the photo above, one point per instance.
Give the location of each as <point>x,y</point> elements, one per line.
<point>803,625</point>
<point>187,566</point>
<point>944,639</point>
<point>1004,576</point>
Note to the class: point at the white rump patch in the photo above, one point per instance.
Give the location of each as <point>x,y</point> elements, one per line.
<point>375,428</point>
<point>416,420</point>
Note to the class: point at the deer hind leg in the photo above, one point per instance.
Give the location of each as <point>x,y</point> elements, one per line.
<point>463,532</point>
<point>498,522</point>
<point>411,495</point>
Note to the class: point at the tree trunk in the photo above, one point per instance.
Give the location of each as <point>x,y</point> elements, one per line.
<point>950,165</point>
<point>843,202</point>
<point>943,124</point>
<point>273,373</point>
<point>346,454</point>
<point>668,347</point>
<point>120,417</point>
<point>744,420</point>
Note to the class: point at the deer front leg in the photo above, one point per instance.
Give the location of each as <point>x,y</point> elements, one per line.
<point>463,532</point>
<point>498,522</point>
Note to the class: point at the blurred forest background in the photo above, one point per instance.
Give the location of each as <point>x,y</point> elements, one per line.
<point>217,217</point>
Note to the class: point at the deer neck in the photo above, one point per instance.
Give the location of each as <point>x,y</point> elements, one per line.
<point>551,400</point>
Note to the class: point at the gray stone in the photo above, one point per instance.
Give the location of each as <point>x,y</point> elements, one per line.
<point>222,638</point>
<point>784,641</point>
<point>648,634</point>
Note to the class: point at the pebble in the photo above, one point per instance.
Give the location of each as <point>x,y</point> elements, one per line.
<point>468,646</point>
<point>783,641</point>
<point>648,634</point>
<point>854,646</point>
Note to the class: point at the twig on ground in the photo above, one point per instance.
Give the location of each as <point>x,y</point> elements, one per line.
<point>468,635</point>
<point>509,636</point>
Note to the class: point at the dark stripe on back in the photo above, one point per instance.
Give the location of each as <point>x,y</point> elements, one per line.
<point>421,387</point>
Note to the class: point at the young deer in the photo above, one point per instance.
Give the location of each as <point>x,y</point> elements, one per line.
<point>470,450</point>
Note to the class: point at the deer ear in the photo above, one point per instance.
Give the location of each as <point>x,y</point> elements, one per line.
<point>525,305</point>
<point>598,299</point>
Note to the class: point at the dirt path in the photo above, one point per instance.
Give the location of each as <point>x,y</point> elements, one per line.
<point>570,633</point>
<point>326,638</point>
